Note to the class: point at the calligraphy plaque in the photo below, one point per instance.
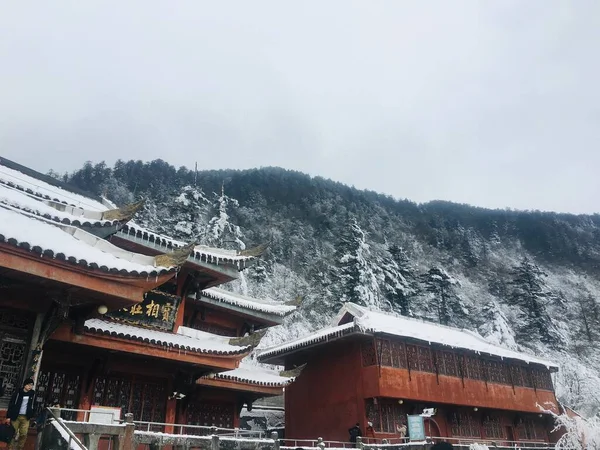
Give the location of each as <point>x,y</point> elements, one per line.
<point>158,310</point>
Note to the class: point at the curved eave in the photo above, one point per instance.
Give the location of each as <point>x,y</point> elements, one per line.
<point>167,345</point>
<point>260,317</point>
<point>222,273</point>
<point>128,285</point>
<point>50,255</point>
<point>162,244</point>
<point>30,191</point>
<point>148,349</point>
<point>234,385</point>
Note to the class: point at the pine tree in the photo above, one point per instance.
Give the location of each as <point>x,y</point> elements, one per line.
<point>354,275</point>
<point>221,232</point>
<point>449,306</point>
<point>586,313</point>
<point>532,296</point>
<point>400,282</point>
<point>187,215</point>
<point>496,327</point>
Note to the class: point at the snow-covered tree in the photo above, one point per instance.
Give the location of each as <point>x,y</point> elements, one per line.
<point>496,327</point>
<point>586,314</point>
<point>532,296</point>
<point>187,214</point>
<point>221,232</point>
<point>354,275</point>
<point>449,306</point>
<point>400,283</point>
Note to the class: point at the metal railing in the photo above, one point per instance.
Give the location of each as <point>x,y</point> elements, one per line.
<point>70,438</point>
<point>386,442</point>
<point>196,430</point>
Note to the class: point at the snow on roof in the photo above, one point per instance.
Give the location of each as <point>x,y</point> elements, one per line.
<point>46,190</point>
<point>253,375</point>
<point>199,342</point>
<point>201,252</point>
<point>377,322</point>
<point>68,243</point>
<point>264,306</point>
<point>34,186</point>
<point>370,322</point>
<point>40,207</point>
<point>323,335</point>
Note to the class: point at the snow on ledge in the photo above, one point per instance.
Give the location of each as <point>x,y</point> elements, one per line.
<point>253,375</point>
<point>75,245</point>
<point>265,306</point>
<point>199,342</point>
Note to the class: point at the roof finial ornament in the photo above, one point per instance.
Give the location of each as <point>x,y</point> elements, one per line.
<point>252,340</point>
<point>254,251</point>
<point>293,373</point>
<point>176,258</point>
<point>124,213</point>
<point>296,302</point>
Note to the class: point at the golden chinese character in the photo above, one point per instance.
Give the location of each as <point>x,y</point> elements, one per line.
<point>166,311</point>
<point>152,309</point>
<point>135,310</point>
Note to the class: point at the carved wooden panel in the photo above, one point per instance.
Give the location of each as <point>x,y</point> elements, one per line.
<point>424,357</point>
<point>210,414</point>
<point>398,355</point>
<point>492,427</point>
<point>464,425</point>
<point>385,349</point>
<point>369,357</point>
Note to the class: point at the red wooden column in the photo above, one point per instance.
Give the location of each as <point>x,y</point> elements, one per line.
<point>85,397</point>
<point>171,412</point>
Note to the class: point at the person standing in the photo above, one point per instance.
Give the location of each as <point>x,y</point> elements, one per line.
<point>20,412</point>
<point>354,432</point>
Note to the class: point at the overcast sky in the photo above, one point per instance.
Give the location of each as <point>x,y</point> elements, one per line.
<point>493,103</point>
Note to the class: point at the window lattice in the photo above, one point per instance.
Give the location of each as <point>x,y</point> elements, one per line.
<point>386,352</point>
<point>465,425</point>
<point>447,364</point>
<point>385,414</point>
<point>212,414</point>
<point>493,428</point>
<point>425,363</point>
<point>398,355</point>
<point>12,358</point>
<point>59,386</point>
<point>369,357</point>
<point>146,400</point>
<point>474,368</point>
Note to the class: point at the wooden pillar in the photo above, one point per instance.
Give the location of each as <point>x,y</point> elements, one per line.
<point>171,412</point>
<point>33,367</point>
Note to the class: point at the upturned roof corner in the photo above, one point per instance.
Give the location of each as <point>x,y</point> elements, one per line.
<point>257,251</point>
<point>176,258</point>
<point>251,340</point>
<point>124,213</point>
<point>293,373</point>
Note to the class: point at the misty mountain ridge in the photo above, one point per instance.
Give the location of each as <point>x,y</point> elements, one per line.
<point>526,280</point>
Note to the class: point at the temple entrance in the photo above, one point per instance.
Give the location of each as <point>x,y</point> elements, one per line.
<point>145,398</point>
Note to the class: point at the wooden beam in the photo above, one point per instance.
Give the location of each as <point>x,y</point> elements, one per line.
<point>128,288</point>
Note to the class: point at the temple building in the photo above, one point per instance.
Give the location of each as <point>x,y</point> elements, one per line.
<point>101,311</point>
<point>373,367</point>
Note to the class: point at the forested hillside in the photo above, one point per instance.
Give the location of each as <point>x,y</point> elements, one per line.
<point>528,280</point>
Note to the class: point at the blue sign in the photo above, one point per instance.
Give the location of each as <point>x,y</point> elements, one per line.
<point>416,428</point>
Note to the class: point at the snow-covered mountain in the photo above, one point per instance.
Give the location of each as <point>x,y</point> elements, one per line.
<point>524,280</point>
